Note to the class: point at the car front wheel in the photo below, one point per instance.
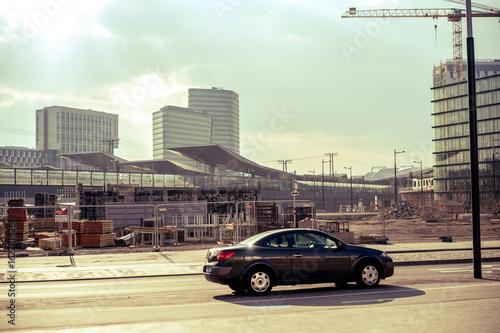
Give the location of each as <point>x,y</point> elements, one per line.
<point>368,276</point>
<point>259,282</point>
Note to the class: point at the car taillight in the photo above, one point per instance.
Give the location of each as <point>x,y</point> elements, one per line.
<point>224,255</point>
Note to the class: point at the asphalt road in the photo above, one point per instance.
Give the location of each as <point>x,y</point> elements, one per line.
<point>433,298</point>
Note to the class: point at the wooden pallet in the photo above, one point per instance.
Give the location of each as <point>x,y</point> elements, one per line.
<point>47,224</point>
<point>50,243</point>
<point>41,235</point>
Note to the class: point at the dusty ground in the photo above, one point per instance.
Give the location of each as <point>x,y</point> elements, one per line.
<point>416,230</point>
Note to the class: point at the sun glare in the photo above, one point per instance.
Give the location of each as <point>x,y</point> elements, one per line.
<point>53,22</point>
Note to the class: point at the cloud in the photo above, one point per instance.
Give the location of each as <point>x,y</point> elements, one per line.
<point>138,97</point>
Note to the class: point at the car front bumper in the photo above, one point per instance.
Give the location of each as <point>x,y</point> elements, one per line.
<point>388,268</point>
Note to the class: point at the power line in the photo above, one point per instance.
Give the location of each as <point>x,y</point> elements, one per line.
<point>293,159</point>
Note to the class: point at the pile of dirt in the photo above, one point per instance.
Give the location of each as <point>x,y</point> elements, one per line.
<point>406,210</point>
<point>403,210</point>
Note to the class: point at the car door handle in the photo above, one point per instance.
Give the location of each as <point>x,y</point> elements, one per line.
<point>297,255</point>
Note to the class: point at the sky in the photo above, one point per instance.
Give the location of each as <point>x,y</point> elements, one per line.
<point>309,81</point>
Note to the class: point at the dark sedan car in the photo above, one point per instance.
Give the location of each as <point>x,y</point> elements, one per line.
<point>294,256</point>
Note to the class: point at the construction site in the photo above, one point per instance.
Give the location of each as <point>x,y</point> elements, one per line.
<point>156,219</point>
<point>97,219</point>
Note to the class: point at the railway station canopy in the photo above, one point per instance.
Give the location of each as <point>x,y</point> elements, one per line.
<point>214,156</point>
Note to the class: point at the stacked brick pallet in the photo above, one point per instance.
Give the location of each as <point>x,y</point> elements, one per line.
<point>98,234</point>
<point>98,227</point>
<point>16,227</point>
<point>90,233</point>
<point>77,226</point>
<point>78,229</point>
<point>75,242</point>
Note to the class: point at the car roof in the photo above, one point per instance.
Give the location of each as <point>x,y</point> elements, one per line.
<point>288,230</point>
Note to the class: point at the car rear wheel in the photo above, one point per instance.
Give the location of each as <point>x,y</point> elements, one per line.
<point>259,281</point>
<point>368,275</point>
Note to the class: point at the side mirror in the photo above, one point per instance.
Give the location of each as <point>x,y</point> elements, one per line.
<point>340,246</point>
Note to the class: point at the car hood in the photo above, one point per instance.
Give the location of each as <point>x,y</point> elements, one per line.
<point>356,248</point>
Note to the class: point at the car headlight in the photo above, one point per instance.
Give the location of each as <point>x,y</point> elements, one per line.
<point>384,255</point>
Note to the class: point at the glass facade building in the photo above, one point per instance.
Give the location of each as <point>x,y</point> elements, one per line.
<point>224,108</point>
<point>451,157</point>
<point>175,126</point>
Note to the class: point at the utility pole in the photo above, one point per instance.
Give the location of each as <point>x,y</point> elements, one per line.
<point>323,180</point>
<point>285,162</point>
<point>330,160</point>
<point>111,145</point>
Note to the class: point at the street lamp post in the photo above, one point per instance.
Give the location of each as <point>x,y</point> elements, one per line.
<point>350,176</point>
<point>421,181</point>
<point>294,194</point>
<point>395,176</point>
<point>473,146</point>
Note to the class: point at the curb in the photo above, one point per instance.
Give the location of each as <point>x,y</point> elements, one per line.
<point>443,261</point>
<point>439,250</point>
<point>401,263</point>
<point>107,278</point>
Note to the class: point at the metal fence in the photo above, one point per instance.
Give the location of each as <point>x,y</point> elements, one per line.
<point>159,224</point>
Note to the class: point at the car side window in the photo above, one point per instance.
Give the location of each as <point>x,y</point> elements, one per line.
<point>279,241</point>
<point>308,240</point>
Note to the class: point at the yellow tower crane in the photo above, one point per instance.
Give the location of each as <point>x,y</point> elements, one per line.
<point>454,15</point>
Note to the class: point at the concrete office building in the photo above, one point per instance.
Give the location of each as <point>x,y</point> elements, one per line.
<point>451,140</point>
<point>24,157</point>
<point>175,126</point>
<point>223,106</point>
<point>71,130</point>
<point>443,73</point>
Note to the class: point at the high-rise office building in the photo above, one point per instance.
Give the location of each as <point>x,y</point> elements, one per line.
<point>451,139</point>
<point>224,108</point>
<point>71,130</point>
<point>175,126</point>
